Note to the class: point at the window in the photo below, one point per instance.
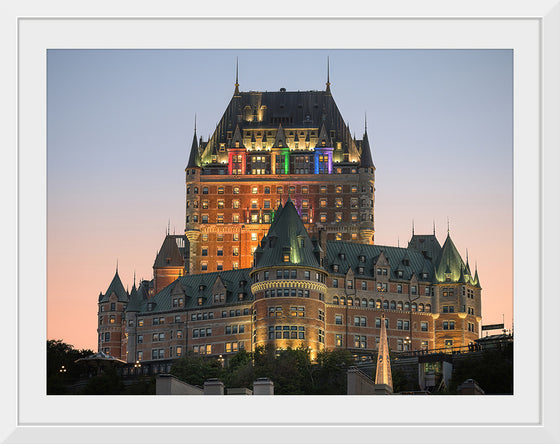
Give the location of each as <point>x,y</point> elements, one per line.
<point>338,340</point>
<point>338,189</point>
<point>323,189</point>
<point>413,289</point>
<point>323,203</point>
<point>335,300</point>
<point>350,284</point>
<point>112,319</point>
<point>220,190</point>
<point>297,312</point>
<point>338,202</point>
<point>338,319</point>
<point>424,326</point>
<point>205,190</point>
<point>254,236</point>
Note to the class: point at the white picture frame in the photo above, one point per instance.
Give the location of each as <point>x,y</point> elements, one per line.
<point>532,30</point>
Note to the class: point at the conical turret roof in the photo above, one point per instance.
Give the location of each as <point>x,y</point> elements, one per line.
<point>450,262</point>
<point>116,287</point>
<point>366,160</point>
<point>287,236</point>
<point>194,157</point>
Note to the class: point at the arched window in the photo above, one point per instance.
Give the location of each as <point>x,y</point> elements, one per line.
<point>335,300</point>
<point>378,303</point>
<point>350,302</point>
<point>421,307</point>
<point>414,307</point>
<point>385,305</point>
<point>221,190</point>
<point>407,306</point>
<point>371,303</point>
<point>357,302</point>
<point>428,308</point>
<point>343,301</point>
<point>399,305</point>
<point>393,305</point>
<point>364,302</point>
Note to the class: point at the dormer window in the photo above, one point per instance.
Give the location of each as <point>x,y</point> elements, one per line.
<point>201,287</point>
<point>362,258</point>
<point>335,267</point>
<point>151,306</point>
<point>399,273</point>
<point>286,257</point>
<point>342,256</point>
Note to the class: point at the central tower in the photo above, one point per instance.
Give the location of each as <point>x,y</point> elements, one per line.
<point>268,147</point>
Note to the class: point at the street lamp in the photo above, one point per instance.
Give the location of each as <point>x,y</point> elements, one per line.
<point>137,365</point>
<point>62,369</point>
<point>407,343</point>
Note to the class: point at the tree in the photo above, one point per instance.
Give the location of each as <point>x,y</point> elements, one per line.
<point>61,365</point>
<point>195,369</point>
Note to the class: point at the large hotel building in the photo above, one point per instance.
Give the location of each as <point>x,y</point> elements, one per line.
<point>279,250</point>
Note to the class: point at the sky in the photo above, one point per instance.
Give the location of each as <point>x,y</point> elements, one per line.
<point>120,125</point>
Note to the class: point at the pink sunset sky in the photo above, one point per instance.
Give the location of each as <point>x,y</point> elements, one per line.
<point>120,125</point>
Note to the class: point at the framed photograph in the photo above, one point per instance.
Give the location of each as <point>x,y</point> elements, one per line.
<point>528,34</point>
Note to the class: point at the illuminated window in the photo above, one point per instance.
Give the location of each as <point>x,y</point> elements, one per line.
<point>279,190</point>
<point>323,217</point>
<point>286,257</point>
<point>304,190</point>
<point>305,203</point>
<point>235,236</point>
<point>236,190</point>
<point>220,190</point>
<point>338,218</point>
<point>292,190</point>
<point>112,319</point>
<point>254,190</point>
<point>338,340</point>
<point>235,218</point>
<point>338,236</point>
<point>354,189</point>
<point>338,189</point>
<point>323,189</point>
<point>354,218</point>
<point>220,219</point>
<point>338,202</point>
<point>254,236</point>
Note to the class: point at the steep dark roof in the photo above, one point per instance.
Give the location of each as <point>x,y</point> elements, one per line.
<point>366,160</point>
<point>347,256</point>
<point>169,254</point>
<point>426,244</point>
<point>200,286</point>
<point>293,109</point>
<point>194,157</point>
<point>287,234</point>
<point>116,287</point>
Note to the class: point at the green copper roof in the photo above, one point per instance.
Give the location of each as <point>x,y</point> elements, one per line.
<point>195,286</point>
<point>116,287</point>
<point>450,263</point>
<point>346,255</point>
<point>287,235</point>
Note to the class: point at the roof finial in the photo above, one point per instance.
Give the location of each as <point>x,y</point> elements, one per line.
<point>328,75</point>
<point>447,225</point>
<point>398,242</point>
<point>413,227</point>
<point>236,93</point>
<point>195,124</point>
<point>434,223</point>
<point>134,278</point>
<point>168,225</point>
<point>117,269</point>
<point>365,121</point>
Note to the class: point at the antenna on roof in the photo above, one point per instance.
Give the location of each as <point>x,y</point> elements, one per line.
<point>328,76</point>
<point>195,123</point>
<point>168,225</point>
<point>134,278</point>
<point>434,223</point>
<point>236,93</point>
<point>398,242</point>
<point>365,121</point>
<point>117,266</point>
<point>413,227</point>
